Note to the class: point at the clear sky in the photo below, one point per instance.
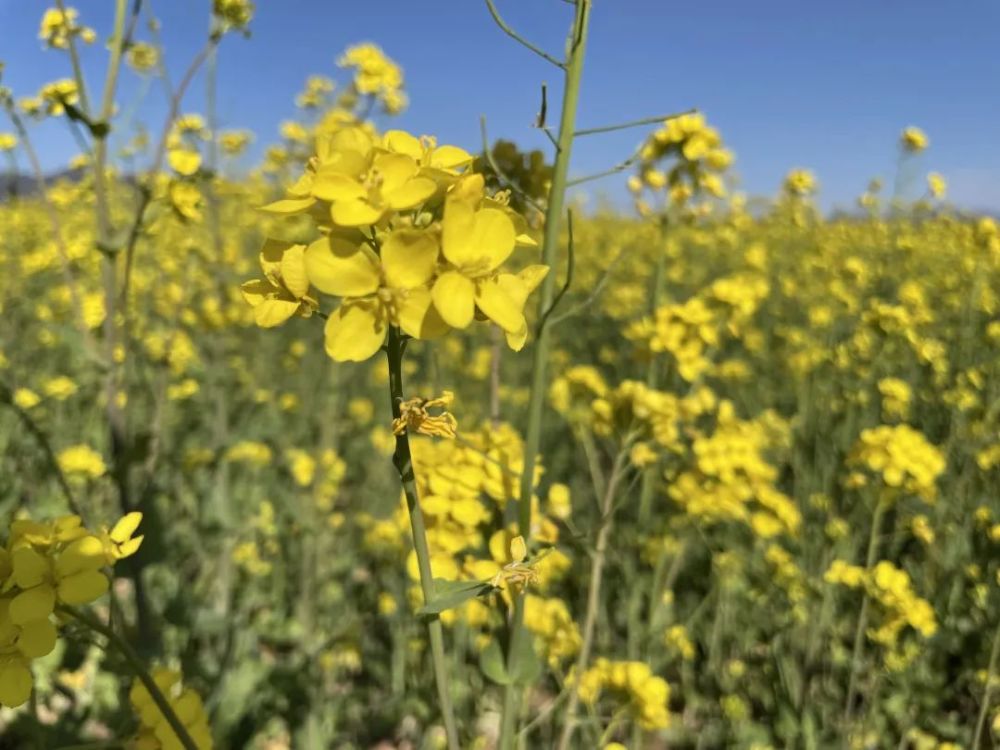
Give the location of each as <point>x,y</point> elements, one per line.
<point>823,84</point>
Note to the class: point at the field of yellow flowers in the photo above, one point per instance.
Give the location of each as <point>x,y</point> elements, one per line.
<point>387,445</point>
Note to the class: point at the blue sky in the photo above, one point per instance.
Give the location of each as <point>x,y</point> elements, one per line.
<point>823,85</point>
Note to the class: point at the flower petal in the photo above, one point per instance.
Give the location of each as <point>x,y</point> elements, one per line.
<point>82,588</point>
<point>29,567</point>
<point>37,639</point>
<point>355,213</point>
<point>336,266</point>
<point>86,553</point>
<point>456,229</point>
<point>35,603</point>
<point>411,193</point>
<point>418,317</point>
<point>401,142</point>
<point>493,232</point>
<point>15,683</point>
<point>454,298</point>
<point>184,161</point>
<point>502,303</point>
<point>394,170</point>
<point>330,185</point>
<point>355,331</point>
<point>126,527</point>
<point>293,271</point>
<point>274,311</point>
<point>516,339</point>
<point>409,257</point>
<point>288,206</point>
<point>450,157</point>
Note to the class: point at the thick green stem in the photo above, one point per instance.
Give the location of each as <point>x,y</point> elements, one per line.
<point>139,669</point>
<point>984,709</point>
<point>859,634</point>
<point>594,589</point>
<point>403,462</point>
<point>576,47</point>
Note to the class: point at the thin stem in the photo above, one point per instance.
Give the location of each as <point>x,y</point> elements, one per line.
<point>542,716</point>
<point>594,589</point>
<point>501,175</point>
<point>7,396</point>
<point>634,123</point>
<point>595,293</point>
<point>517,37</point>
<point>570,263</point>
<point>620,167</point>
<point>403,462</point>
<point>74,58</point>
<point>139,669</point>
<point>158,157</point>
<point>988,691</point>
<point>859,634</point>
<point>496,354</point>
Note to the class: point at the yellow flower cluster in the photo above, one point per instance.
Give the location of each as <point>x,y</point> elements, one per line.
<point>250,452</point>
<point>155,733</point>
<point>677,641</point>
<point>690,331</point>
<point>51,99</point>
<point>376,75</point>
<point>315,94</point>
<point>684,329</point>
<point>233,14</point>
<point>731,480</point>
<point>557,636</point>
<point>896,397</point>
<point>142,57</point>
<point>409,241</point>
<point>81,461</point>
<point>789,577</point>
<point>633,685</point>
<point>902,457</point>
<point>45,565</point>
<point>913,139</point>
<point>8,142</point>
<point>800,182</point>
<point>699,159</point>
<point>235,142</point>
<point>59,26</point>
<point>892,590</point>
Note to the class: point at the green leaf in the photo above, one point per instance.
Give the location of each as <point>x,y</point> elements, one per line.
<point>450,594</point>
<point>491,662</point>
<point>525,666</point>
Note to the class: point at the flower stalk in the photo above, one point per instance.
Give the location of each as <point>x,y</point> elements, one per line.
<point>403,461</point>
<point>859,634</point>
<point>137,667</point>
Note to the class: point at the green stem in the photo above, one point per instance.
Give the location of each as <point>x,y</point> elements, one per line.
<point>594,589</point>
<point>859,634</point>
<point>988,691</point>
<point>403,462</point>
<point>139,669</point>
<point>74,58</point>
<point>550,245</point>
